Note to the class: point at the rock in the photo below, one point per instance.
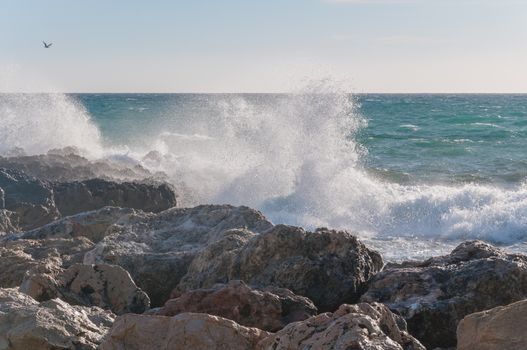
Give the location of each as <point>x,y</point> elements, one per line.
<point>244,305</point>
<point>433,296</point>
<point>105,286</point>
<point>8,221</point>
<point>67,165</point>
<point>75,197</point>
<point>27,324</point>
<point>37,202</point>
<point>329,267</point>
<point>17,257</point>
<point>184,331</point>
<point>361,326</point>
<point>94,225</point>
<point>495,329</point>
<point>158,248</point>
<point>31,199</point>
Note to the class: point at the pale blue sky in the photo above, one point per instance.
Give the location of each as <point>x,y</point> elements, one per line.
<point>263,46</point>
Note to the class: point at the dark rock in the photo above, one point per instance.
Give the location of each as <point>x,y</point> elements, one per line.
<point>30,198</point>
<point>76,197</point>
<point>434,295</point>
<point>329,267</point>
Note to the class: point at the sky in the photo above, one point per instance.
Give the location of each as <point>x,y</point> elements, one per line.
<point>263,46</point>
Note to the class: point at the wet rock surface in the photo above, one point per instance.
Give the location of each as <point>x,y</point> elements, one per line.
<point>434,295</point>
<point>28,202</point>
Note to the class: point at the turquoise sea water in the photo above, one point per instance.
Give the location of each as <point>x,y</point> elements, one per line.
<point>409,138</point>
<point>416,172</point>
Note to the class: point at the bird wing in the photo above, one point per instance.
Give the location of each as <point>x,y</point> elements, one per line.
<point>44,43</point>
<point>50,44</point>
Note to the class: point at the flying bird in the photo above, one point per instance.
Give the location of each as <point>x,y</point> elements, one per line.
<point>47,46</point>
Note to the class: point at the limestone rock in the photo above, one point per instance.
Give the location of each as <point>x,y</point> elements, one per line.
<point>158,248</point>
<point>105,286</point>
<point>94,225</point>
<point>75,197</point>
<point>499,328</point>
<point>362,327</point>
<point>19,256</point>
<point>244,305</point>
<point>184,331</point>
<point>8,221</point>
<point>433,296</point>
<point>329,267</point>
<point>27,324</point>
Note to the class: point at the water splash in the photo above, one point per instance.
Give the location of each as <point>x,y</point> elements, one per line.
<point>37,123</point>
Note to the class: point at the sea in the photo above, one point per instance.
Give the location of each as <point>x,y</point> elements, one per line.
<point>410,174</point>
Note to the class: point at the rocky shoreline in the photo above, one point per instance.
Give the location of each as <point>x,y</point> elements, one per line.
<point>94,255</point>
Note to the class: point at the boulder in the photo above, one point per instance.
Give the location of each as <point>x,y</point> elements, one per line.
<point>329,267</point>
<point>361,327</point>
<point>434,295</point>
<point>75,197</point>
<point>18,256</point>
<point>496,329</point>
<point>54,324</point>
<point>249,307</point>
<point>30,198</point>
<point>67,165</point>
<point>37,202</point>
<point>157,249</point>
<point>106,286</point>
<point>93,225</point>
<point>184,331</point>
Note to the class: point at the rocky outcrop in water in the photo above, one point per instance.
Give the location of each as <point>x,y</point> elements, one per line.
<point>29,198</point>
<point>269,310</point>
<point>362,327</point>
<point>184,331</point>
<point>67,165</point>
<point>76,197</point>
<point>29,202</point>
<point>54,324</point>
<point>434,295</point>
<point>499,328</point>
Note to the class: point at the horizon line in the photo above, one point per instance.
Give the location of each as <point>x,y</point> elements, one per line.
<point>263,93</point>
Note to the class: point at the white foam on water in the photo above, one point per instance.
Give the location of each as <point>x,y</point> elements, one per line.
<point>297,161</point>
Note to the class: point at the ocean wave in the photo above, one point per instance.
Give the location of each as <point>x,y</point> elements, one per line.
<point>297,160</point>
<point>40,122</point>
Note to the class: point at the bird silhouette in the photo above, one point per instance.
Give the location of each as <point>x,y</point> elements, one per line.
<point>47,46</point>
